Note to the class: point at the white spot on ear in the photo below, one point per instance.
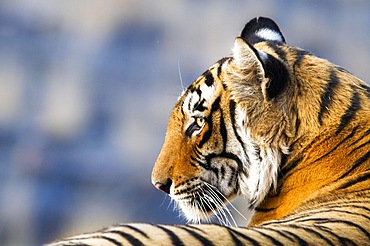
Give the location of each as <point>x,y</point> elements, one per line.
<point>269,34</point>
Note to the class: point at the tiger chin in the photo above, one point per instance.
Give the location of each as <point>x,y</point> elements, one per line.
<point>278,125</point>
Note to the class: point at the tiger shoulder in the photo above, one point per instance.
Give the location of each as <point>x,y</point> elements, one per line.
<point>276,124</point>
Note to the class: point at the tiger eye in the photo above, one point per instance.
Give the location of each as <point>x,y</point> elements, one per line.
<point>199,121</point>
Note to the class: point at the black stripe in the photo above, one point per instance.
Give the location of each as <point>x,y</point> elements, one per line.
<point>280,52</point>
<point>276,70</point>
<point>182,110</point>
<point>273,240</point>
<point>198,155</point>
<point>208,78</point>
<point>278,232</point>
<point>326,210</point>
<point>305,216</point>
<point>366,134</point>
<point>350,112</point>
<point>137,230</point>
<point>363,190</point>
<point>341,69</point>
<point>68,242</point>
<point>208,133</point>
<point>133,240</point>
<point>300,241</point>
<point>196,228</point>
<point>194,162</point>
<point>220,63</point>
<point>174,238</point>
<point>345,204</point>
<point>360,146</point>
<point>327,96</point>
<point>348,223</point>
<point>115,242</point>
<point>222,172</point>
<point>341,206</point>
<point>289,167</point>
<point>367,89</point>
<point>358,179</point>
<point>223,131</point>
<point>344,241</point>
<point>232,108</point>
<point>233,174</point>
<point>338,144</point>
<point>264,210</point>
<point>199,92</point>
<point>311,231</point>
<point>219,70</point>
<point>182,102</point>
<point>298,121</point>
<point>300,54</point>
<point>356,164</point>
<point>228,155</point>
<point>202,239</point>
<point>189,105</point>
<point>353,213</point>
<point>199,106</point>
<point>235,239</point>
<point>244,236</point>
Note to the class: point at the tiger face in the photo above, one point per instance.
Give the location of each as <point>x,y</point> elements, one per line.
<point>201,159</point>
<point>219,142</point>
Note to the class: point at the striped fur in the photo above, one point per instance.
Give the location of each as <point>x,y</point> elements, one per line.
<point>278,125</point>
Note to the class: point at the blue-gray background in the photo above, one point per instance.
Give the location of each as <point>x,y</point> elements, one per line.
<point>87,86</point>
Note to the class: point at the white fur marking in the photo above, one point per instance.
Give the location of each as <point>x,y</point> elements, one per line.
<point>262,168</point>
<point>207,91</point>
<point>269,34</point>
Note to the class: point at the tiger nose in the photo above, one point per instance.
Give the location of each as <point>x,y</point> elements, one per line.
<point>164,186</point>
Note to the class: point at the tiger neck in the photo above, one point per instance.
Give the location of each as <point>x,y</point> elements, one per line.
<point>310,173</point>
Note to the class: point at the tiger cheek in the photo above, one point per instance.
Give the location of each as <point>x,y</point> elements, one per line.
<point>173,163</point>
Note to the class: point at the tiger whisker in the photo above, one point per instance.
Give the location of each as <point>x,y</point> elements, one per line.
<point>203,210</point>
<point>179,70</point>
<point>211,202</point>
<point>214,189</point>
<point>171,202</point>
<point>207,202</point>
<point>221,207</point>
<point>219,212</point>
<point>216,213</point>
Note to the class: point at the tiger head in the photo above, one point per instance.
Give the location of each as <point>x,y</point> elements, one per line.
<point>229,130</point>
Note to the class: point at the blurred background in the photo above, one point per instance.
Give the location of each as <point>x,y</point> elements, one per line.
<point>86,90</point>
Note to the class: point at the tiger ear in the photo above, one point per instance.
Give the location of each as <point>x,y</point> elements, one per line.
<point>271,72</point>
<point>246,56</point>
<point>262,29</point>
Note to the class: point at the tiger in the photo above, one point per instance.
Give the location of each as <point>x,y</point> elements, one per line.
<point>276,124</point>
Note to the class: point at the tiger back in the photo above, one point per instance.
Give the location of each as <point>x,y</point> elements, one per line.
<point>278,125</point>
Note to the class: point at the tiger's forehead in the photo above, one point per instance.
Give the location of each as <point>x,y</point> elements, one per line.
<point>203,91</point>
